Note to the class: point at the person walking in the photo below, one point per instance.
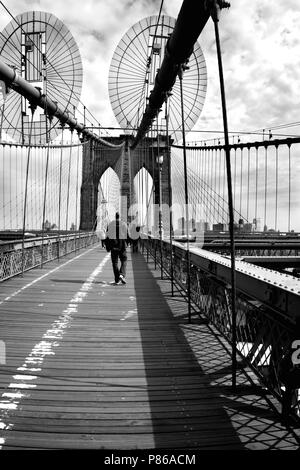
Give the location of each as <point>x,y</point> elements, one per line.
<point>134,233</point>
<point>116,242</point>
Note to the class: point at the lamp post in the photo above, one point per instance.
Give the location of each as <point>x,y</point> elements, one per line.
<point>160,161</point>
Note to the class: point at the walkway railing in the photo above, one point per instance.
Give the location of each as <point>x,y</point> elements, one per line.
<point>36,252</point>
<point>268,313</point>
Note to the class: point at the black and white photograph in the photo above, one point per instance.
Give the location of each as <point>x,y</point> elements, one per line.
<point>149,228</point>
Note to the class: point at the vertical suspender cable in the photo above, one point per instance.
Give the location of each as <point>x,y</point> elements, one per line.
<point>241,183</point>
<point>159,168</point>
<point>59,191</point>
<point>248,184</point>
<point>215,193</point>
<point>45,194</point>
<point>170,194</point>
<point>224,184</point>
<point>219,183</point>
<point>32,107</point>
<point>276,188</point>
<point>289,211</point>
<point>16,185</point>
<point>266,185</point>
<point>69,177</point>
<point>3,184</point>
<point>2,118</point>
<point>188,268</point>
<point>76,207</point>
<point>235,176</point>
<point>215,16</point>
<point>10,185</point>
<point>3,191</point>
<point>153,173</point>
<point>147,200</point>
<point>211,184</point>
<point>256,185</point>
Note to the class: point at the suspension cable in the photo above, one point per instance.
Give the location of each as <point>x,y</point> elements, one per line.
<point>32,107</point>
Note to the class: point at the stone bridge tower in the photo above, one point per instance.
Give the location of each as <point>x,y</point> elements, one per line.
<point>117,154</point>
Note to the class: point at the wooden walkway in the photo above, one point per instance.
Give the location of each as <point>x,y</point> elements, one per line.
<point>90,365</point>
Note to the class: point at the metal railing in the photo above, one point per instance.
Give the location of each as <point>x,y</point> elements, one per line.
<point>36,252</point>
<point>268,314</point>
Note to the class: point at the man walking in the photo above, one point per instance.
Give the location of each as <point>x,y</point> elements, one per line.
<point>116,242</point>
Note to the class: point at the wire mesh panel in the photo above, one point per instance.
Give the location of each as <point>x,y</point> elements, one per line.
<point>132,74</point>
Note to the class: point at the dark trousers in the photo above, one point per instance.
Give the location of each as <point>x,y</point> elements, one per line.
<point>117,255</point>
<point>135,246</point>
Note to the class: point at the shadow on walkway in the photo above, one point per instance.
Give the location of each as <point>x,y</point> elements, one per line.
<point>186,410</point>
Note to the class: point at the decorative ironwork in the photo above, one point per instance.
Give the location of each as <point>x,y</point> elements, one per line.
<point>39,251</point>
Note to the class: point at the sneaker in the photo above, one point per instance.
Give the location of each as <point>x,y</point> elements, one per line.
<point>122,279</point>
<point>117,283</point>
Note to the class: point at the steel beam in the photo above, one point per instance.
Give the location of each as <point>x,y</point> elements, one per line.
<point>260,245</point>
<point>280,292</point>
<point>34,95</point>
<point>273,262</point>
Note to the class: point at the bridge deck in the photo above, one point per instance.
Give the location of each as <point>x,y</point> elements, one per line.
<point>91,365</point>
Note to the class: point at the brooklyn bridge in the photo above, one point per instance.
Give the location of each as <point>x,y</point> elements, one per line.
<point>200,349</point>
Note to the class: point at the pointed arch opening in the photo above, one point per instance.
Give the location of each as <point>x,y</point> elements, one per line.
<point>109,190</point>
<point>143,200</point>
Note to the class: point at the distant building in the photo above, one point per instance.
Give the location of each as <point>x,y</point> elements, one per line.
<point>256,225</point>
<point>219,227</point>
<point>247,228</point>
<point>47,225</point>
<point>192,224</point>
<point>181,225</point>
<point>200,226</point>
<point>206,226</point>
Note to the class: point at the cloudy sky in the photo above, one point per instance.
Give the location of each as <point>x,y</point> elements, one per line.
<point>260,43</point>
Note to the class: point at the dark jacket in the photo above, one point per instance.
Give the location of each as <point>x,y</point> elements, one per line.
<point>117,237</point>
